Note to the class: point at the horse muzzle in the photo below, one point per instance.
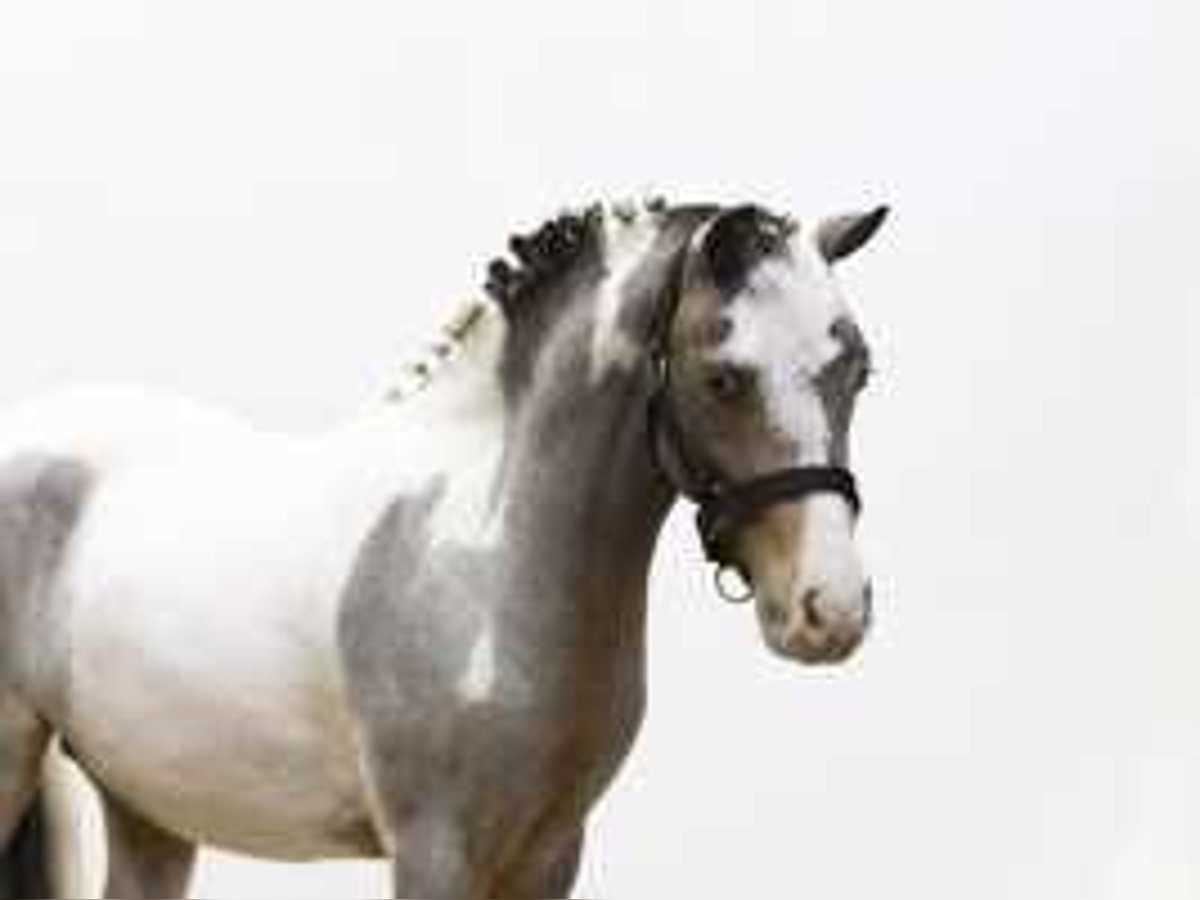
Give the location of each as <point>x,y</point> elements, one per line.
<point>813,600</point>
<point>815,629</point>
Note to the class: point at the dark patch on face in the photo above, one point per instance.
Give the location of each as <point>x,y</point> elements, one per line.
<point>839,383</point>
<point>738,241</point>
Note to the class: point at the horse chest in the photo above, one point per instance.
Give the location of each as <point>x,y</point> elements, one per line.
<point>523,773</point>
<point>466,695</point>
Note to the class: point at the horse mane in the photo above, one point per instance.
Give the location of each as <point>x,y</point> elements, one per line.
<point>523,283</point>
<point>452,338</point>
<point>541,255</point>
<point>554,248</point>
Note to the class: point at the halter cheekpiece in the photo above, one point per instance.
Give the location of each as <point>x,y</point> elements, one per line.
<point>722,506</point>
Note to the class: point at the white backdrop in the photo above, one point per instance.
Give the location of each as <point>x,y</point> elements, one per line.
<point>264,202</point>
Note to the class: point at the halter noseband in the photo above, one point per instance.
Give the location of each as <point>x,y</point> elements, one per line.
<point>722,506</point>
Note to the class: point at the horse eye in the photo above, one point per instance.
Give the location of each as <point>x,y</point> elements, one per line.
<point>729,383</point>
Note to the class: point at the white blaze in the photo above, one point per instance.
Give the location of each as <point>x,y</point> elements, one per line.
<point>781,328</point>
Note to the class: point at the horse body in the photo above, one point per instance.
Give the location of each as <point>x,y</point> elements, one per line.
<point>203,596</point>
<point>203,684</point>
<point>421,635</point>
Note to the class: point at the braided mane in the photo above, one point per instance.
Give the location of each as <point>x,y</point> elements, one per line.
<point>552,249</point>
<point>540,256</point>
<point>520,284</point>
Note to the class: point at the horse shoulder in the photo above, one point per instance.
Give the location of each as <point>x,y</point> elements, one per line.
<point>202,592</point>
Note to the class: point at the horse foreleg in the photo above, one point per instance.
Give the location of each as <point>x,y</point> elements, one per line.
<point>547,871</point>
<point>431,861</point>
<point>25,864</point>
<point>143,859</point>
<point>23,740</point>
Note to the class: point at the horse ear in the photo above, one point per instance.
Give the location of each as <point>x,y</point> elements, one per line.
<point>840,236</point>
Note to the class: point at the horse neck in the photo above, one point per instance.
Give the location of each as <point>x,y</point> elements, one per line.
<point>583,511</point>
<point>558,495</point>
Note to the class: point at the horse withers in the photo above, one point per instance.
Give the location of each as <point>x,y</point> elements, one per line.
<point>420,636</point>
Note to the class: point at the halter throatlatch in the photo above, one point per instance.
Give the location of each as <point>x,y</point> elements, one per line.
<point>723,507</point>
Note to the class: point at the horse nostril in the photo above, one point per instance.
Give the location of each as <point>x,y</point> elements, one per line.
<point>808,604</point>
<point>868,604</point>
<point>774,614</point>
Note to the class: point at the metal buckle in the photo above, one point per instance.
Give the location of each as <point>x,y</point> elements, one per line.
<point>731,584</point>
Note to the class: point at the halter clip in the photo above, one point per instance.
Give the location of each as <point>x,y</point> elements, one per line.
<point>731,584</point>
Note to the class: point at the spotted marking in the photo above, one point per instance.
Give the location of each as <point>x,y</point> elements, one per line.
<point>479,678</point>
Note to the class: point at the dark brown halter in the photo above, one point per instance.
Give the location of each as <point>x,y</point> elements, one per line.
<point>722,506</point>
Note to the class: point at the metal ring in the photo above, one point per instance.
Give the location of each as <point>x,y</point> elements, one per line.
<point>722,576</point>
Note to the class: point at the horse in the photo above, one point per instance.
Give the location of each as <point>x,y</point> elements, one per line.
<point>420,636</point>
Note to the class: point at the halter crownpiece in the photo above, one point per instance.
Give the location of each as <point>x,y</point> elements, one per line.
<point>723,507</point>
